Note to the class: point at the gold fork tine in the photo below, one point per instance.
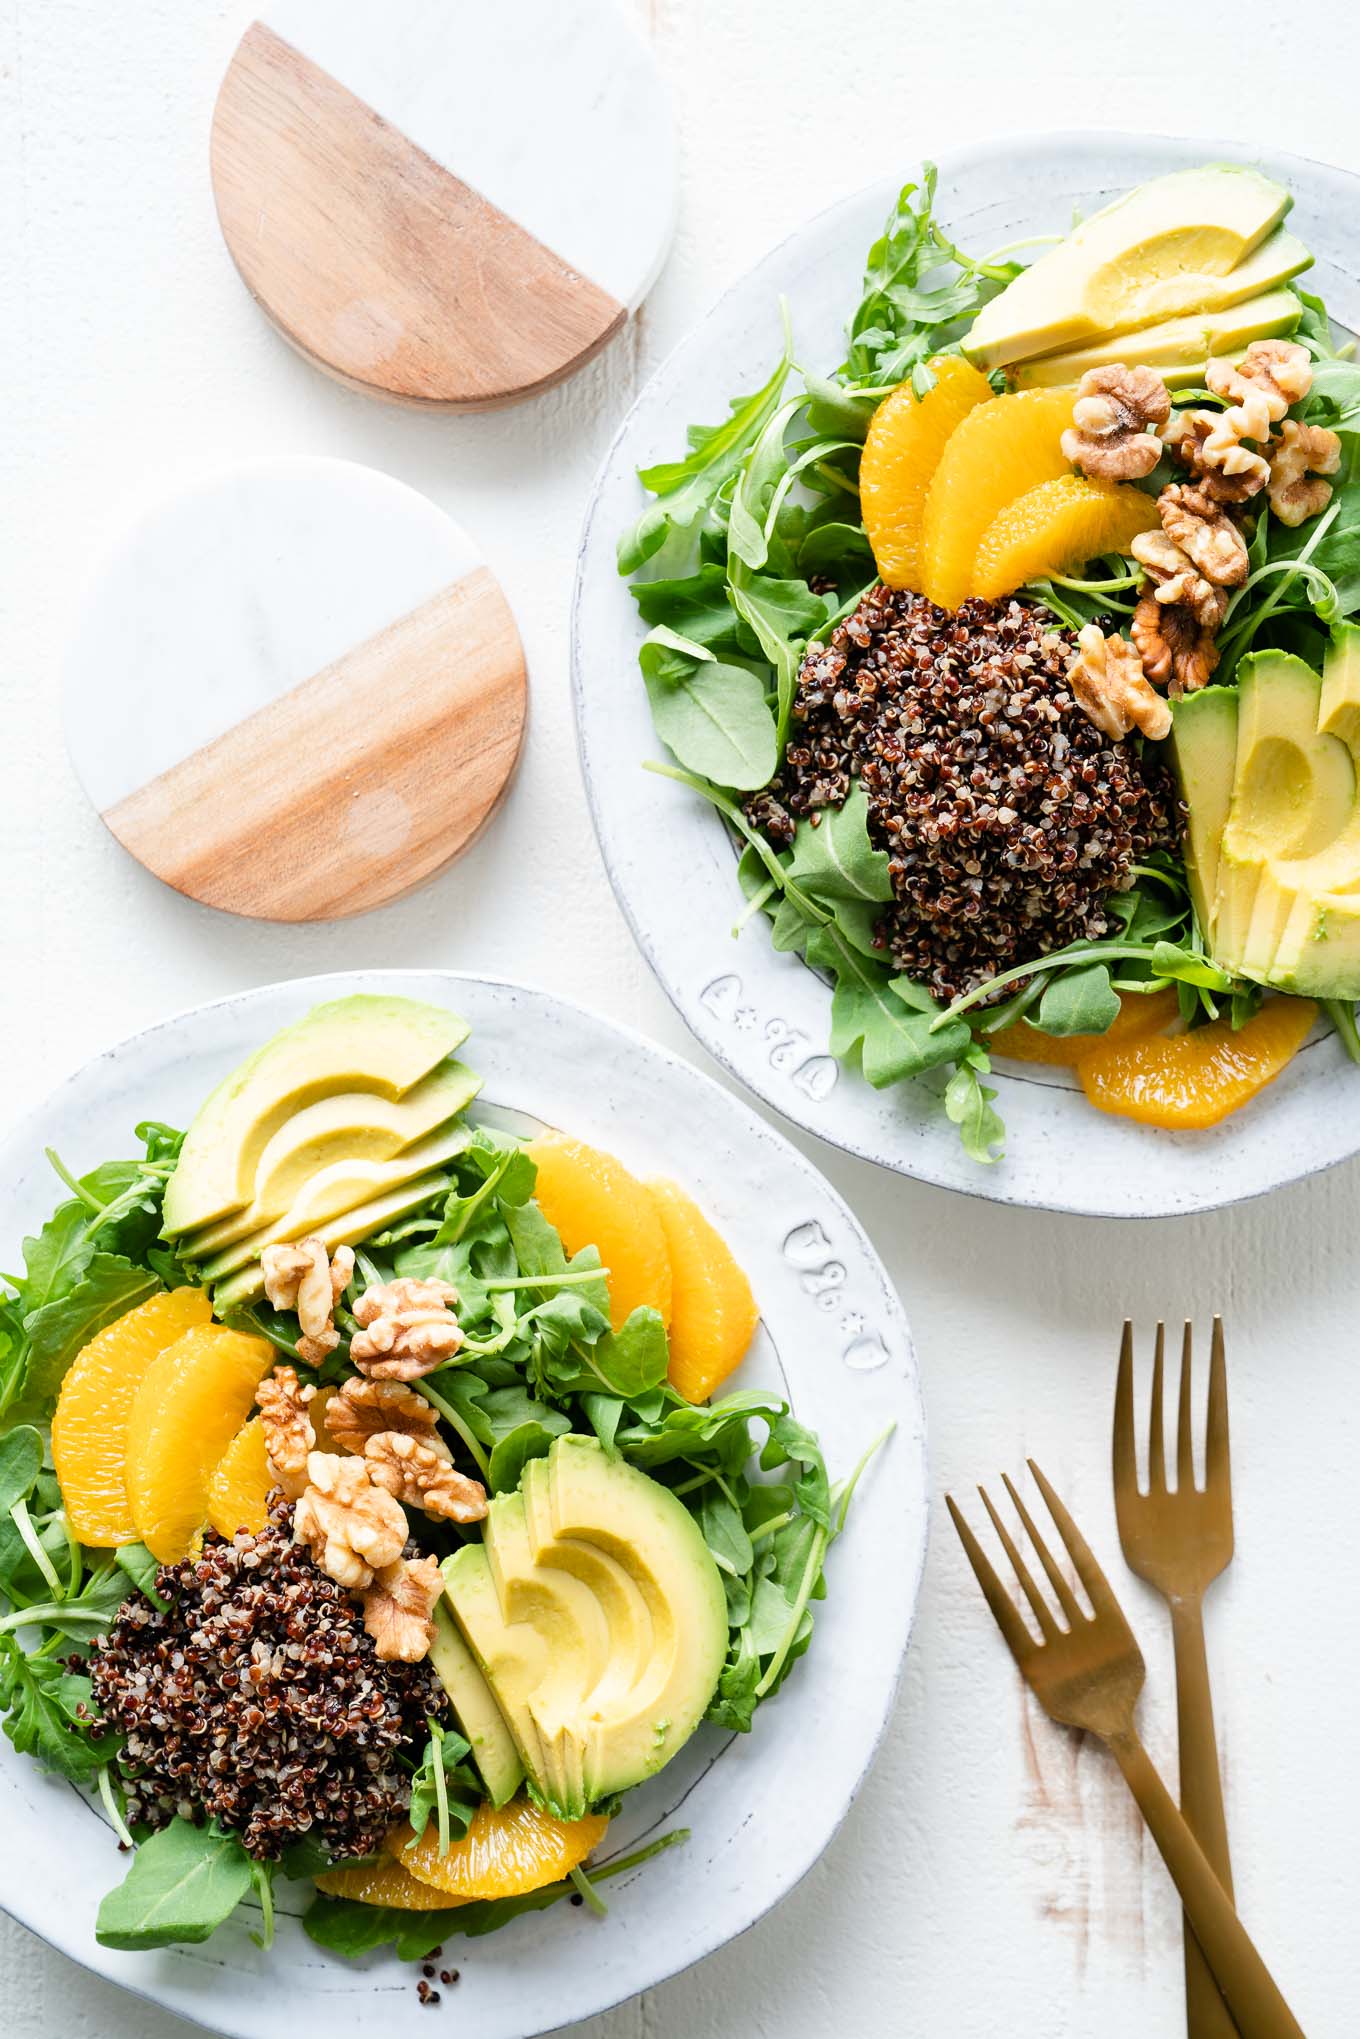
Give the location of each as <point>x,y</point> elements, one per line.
<point>1156,1427</point>
<point>1043,1613</point>
<point>1018,1638</point>
<point>1185,1420</point>
<point>1217,1463</point>
<point>1125,1448</point>
<point>1067,1599</point>
<point>1088,1571</point>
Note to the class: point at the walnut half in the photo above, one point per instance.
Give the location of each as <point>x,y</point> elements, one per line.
<point>351,1527</point>
<point>422,1476</point>
<point>1301,455</point>
<point>1177,649</point>
<point>1109,686</point>
<point>408,1329</point>
<point>288,1433</point>
<point>398,1609</point>
<point>362,1409</point>
<point>299,1276</point>
<point>1116,420</point>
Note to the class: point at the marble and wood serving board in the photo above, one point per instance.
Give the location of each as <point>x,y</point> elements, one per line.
<point>295,691</point>
<point>445,205</point>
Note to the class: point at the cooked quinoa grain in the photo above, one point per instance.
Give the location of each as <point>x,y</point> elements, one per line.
<point>1007,817</point>
<point>258,1699</point>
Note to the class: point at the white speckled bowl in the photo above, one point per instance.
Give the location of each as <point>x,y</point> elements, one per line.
<point>834,1337</point>
<point>765,1016</point>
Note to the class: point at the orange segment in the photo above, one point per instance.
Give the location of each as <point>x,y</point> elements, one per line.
<point>713,1313</point>
<point>192,1400</point>
<point>1196,1079</point>
<point>240,1483</point>
<point>1055,528</point>
<point>385,1883</point>
<point>1140,1012</point>
<point>503,1853</point>
<point>1000,450</point>
<point>89,1427</point>
<point>907,435</point>
<point>593,1201</point>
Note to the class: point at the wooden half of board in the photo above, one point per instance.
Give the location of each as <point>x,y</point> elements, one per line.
<point>380,261</point>
<point>354,787</point>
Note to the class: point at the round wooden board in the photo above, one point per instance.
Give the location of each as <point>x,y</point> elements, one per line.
<point>295,691</point>
<point>445,205</point>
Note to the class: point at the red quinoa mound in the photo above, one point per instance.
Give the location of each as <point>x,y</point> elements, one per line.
<point>1008,817</point>
<point>257,1699</point>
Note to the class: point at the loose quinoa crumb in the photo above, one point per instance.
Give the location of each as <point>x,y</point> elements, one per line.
<point>1008,818</point>
<point>258,1699</point>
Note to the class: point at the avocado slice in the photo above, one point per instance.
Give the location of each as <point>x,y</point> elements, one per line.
<point>1176,348</point>
<point>1204,746</point>
<point>512,1657</point>
<point>591,1548</point>
<point>480,1720</point>
<point>1275,870</point>
<point>365,1042</point>
<point>354,1125</point>
<point>246,1285</point>
<point>342,1187</point>
<point>1182,243</point>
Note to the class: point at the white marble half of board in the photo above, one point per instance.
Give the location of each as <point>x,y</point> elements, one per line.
<point>451,205</point>
<point>295,690</point>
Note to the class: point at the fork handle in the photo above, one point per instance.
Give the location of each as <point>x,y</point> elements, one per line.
<point>1256,2004</point>
<point>1206,2014</point>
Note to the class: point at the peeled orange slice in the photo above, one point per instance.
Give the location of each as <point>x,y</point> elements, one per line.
<point>1055,528</point>
<point>593,1201</point>
<point>1140,1012</point>
<point>385,1883</point>
<point>239,1487</point>
<point>1194,1080</point>
<point>1000,450</point>
<point>907,435</point>
<point>713,1313</point>
<point>192,1400</point>
<point>89,1427</point>
<point>503,1853</point>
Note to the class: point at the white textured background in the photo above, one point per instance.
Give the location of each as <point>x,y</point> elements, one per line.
<point>991,1879</point>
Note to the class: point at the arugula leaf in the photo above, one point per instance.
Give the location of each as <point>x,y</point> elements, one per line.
<point>685,488</point>
<point>636,1356</point>
<point>1079,1001</point>
<point>968,1102</point>
<point>183,1882</point>
<point>869,1011</point>
<point>21,1457</point>
<point>834,859</point>
<point>713,717</point>
<point>695,607</point>
<point>137,1563</point>
<point>47,1712</point>
<point>444,1787</point>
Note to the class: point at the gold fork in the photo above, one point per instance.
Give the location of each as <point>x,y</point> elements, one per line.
<point>1088,1675</point>
<point>1179,1539</point>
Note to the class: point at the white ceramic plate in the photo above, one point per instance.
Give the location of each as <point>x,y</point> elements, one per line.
<point>765,1016</point>
<point>833,1334</point>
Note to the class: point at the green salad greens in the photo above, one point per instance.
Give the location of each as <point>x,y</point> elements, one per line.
<point>753,547</point>
<point>539,1358</point>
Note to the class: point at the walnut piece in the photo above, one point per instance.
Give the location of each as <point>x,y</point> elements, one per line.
<point>1177,649</point>
<point>351,1527</point>
<point>361,1409</point>
<point>409,1329</point>
<point>1302,454</point>
<point>398,1607</point>
<point>1175,578</point>
<point>288,1433</point>
<point>422,1476</point>
<point>1116,419</point>
<point>1203,531</point>
<point>1224,470</point>
<point>1272,375</point>
<point>298,1276</point>
<point>1109,686</point>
